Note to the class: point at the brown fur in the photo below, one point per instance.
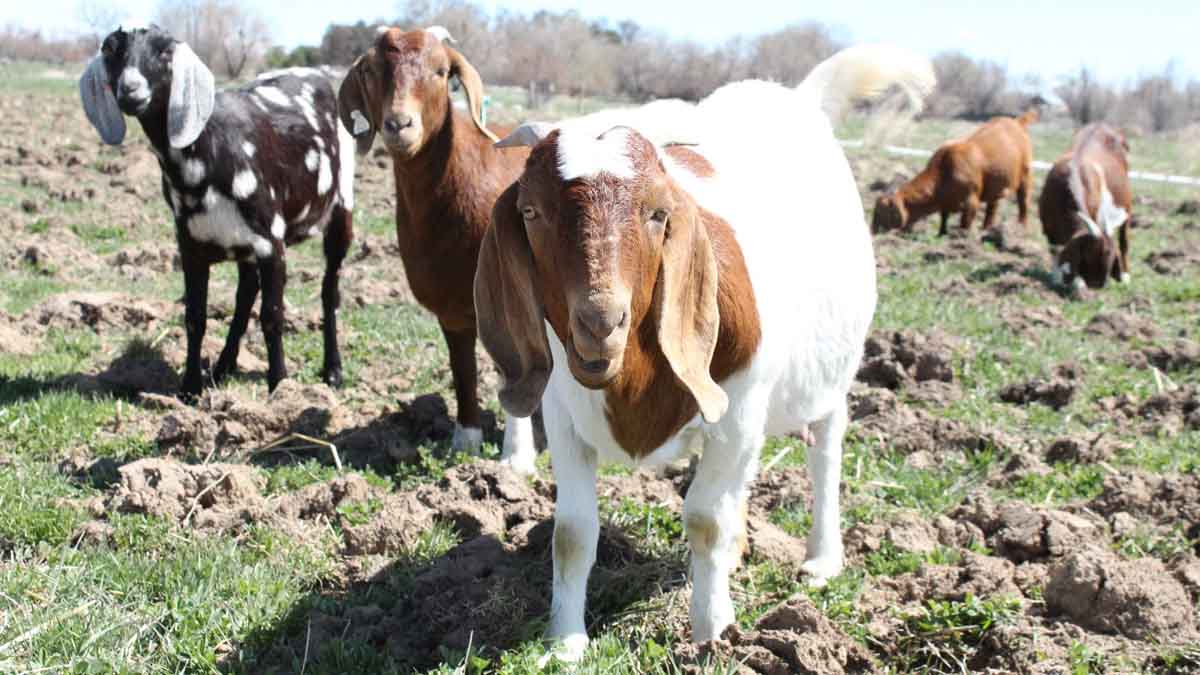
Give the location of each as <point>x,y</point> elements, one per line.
<point>685,285</point>
<point>1094,145</point>
<point>981,169</point>
<point>446,182</point>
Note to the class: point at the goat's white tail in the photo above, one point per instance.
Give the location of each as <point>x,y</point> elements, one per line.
<point>864,72</point>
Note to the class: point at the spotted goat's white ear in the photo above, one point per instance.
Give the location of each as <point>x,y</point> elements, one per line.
<point>441,34</point>
<point>526,135</point>
<point>99,104</point>
<point>193,96</point>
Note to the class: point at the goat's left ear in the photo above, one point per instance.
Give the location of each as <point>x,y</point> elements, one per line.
<point>193,95</point>
<point>508,309</point>
<point>685,304</point>
<point>473,86</point>
<point>99,104</point>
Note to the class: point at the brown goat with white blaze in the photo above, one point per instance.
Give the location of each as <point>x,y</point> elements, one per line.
<point>983,168</point>
<point>447,176</point>
<point>1086,204</point>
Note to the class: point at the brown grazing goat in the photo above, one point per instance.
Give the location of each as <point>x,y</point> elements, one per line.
<point>1086,203</point>
<point>448,175</point>
<point>984,167</point>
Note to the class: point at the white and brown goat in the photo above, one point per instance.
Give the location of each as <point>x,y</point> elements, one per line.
<point>659,299</point>
<point>447,175</point>
<point>1086,206</point>
<point>246,173</point>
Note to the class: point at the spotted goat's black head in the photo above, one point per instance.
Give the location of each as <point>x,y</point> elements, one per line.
<point>140,72</point>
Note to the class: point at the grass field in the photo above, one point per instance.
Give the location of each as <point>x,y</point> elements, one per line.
<point>1020,482</point>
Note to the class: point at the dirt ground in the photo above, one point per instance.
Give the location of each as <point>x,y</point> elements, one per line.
<point>1058,565</point>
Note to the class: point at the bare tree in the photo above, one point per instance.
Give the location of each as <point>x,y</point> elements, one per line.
<point>1087,100</point>
<point>100,16</point>
<point>225,34</point>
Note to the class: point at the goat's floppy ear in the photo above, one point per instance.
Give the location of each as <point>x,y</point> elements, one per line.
<point>355,103</point>
<point>193,95</point>
<point>473,86</point>
<point>100,105</point>
<point>685,304</point>
<point>508,307</point>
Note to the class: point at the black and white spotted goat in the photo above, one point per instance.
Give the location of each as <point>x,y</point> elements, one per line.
<point>246,172</point>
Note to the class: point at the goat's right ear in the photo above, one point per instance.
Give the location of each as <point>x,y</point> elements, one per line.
<point>508,307</point>
<point>99,104</point>
<point>355,104</point>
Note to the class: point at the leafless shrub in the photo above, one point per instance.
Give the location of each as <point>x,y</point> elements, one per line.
<point>32,45</point>
<point>225,34</point>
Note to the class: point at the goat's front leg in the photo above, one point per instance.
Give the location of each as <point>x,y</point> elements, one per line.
<point>1123,275</point>
<point>247,291</point>
<point>337,242</point>
<point>824,549</point>
<point>272,272</point>
<point>468,430</point>
<point>576,529</point>
<point>195,298</point>
<point>989,214</point>
<point>714,520</point>
<point>945,220</point>
<point>970,208</point>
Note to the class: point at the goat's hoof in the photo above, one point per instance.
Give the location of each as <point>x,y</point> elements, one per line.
<point>569,649</point>
<point>332,377</point>
<point>466,439</point>
<point>524,464</point>
<point>821,570</point>
<point>1125,278</point>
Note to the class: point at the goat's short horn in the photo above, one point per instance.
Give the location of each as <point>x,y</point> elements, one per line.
<point>441,34</point>
<point>528,134</point>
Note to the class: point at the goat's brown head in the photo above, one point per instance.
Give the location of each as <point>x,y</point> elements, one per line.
<point>600,242</point>
<point>400,89</point>
<point>1088,256</point>
<point>889,214</point>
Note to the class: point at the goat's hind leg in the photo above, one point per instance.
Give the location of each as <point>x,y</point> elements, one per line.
<point>824,557</point>
<point>338,236</point>
<point>195,296</point>
<point>272,272</point>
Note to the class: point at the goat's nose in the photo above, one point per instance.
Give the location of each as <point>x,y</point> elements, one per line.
<point>397,123</point>
<point>598,323</point>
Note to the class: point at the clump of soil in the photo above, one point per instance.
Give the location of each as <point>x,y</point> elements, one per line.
<point>99,311</point>
<point>1136,598</point>
<point>793,638</point>
<point>216,496</point>
<point>1122,326</point>
<point>1168,412</point>
<point>1020,532</point>
<point>908,429</point>
<point>891,360</point>
<point>1055,392</point>
<point>1180,355</point>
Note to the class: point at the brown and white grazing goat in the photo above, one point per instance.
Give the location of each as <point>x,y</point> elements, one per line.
<point>983,168</point>
<point>655,299</point>
<point>246,173</point>
<point>447,175</point>
<point>1086,204</point>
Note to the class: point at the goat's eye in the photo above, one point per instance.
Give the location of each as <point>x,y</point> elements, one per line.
<point>442,72</point>
<point>659,217</point>
<point>528,212</point>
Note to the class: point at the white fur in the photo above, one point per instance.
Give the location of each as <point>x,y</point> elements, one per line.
<point>133,82</point>
<point>305,103</point>
<point>303,214</point>
<point>249,149</point>
<point>193,171</point>
<point>311,159</point>
<point>346,169</point>
<point>278,227</point>
<point>519,452</point>
<point>580,155</point>
<point>259,103</point>
<point>221,223</point>
<point>244,183</point>
<point>466,439</point>
<point>275,95</point>
<point>801,230</point>
<point>324,175</point>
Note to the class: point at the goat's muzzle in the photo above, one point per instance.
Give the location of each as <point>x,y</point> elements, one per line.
<point>599,331</point>
<point>402,133</point>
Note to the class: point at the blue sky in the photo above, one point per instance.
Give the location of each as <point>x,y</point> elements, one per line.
<point>1119,40</point>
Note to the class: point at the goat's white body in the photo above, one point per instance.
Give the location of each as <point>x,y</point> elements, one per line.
<point>784,186</point>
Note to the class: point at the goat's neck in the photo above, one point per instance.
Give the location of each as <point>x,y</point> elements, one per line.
<point>919,196</point>
<point>429,182</point>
